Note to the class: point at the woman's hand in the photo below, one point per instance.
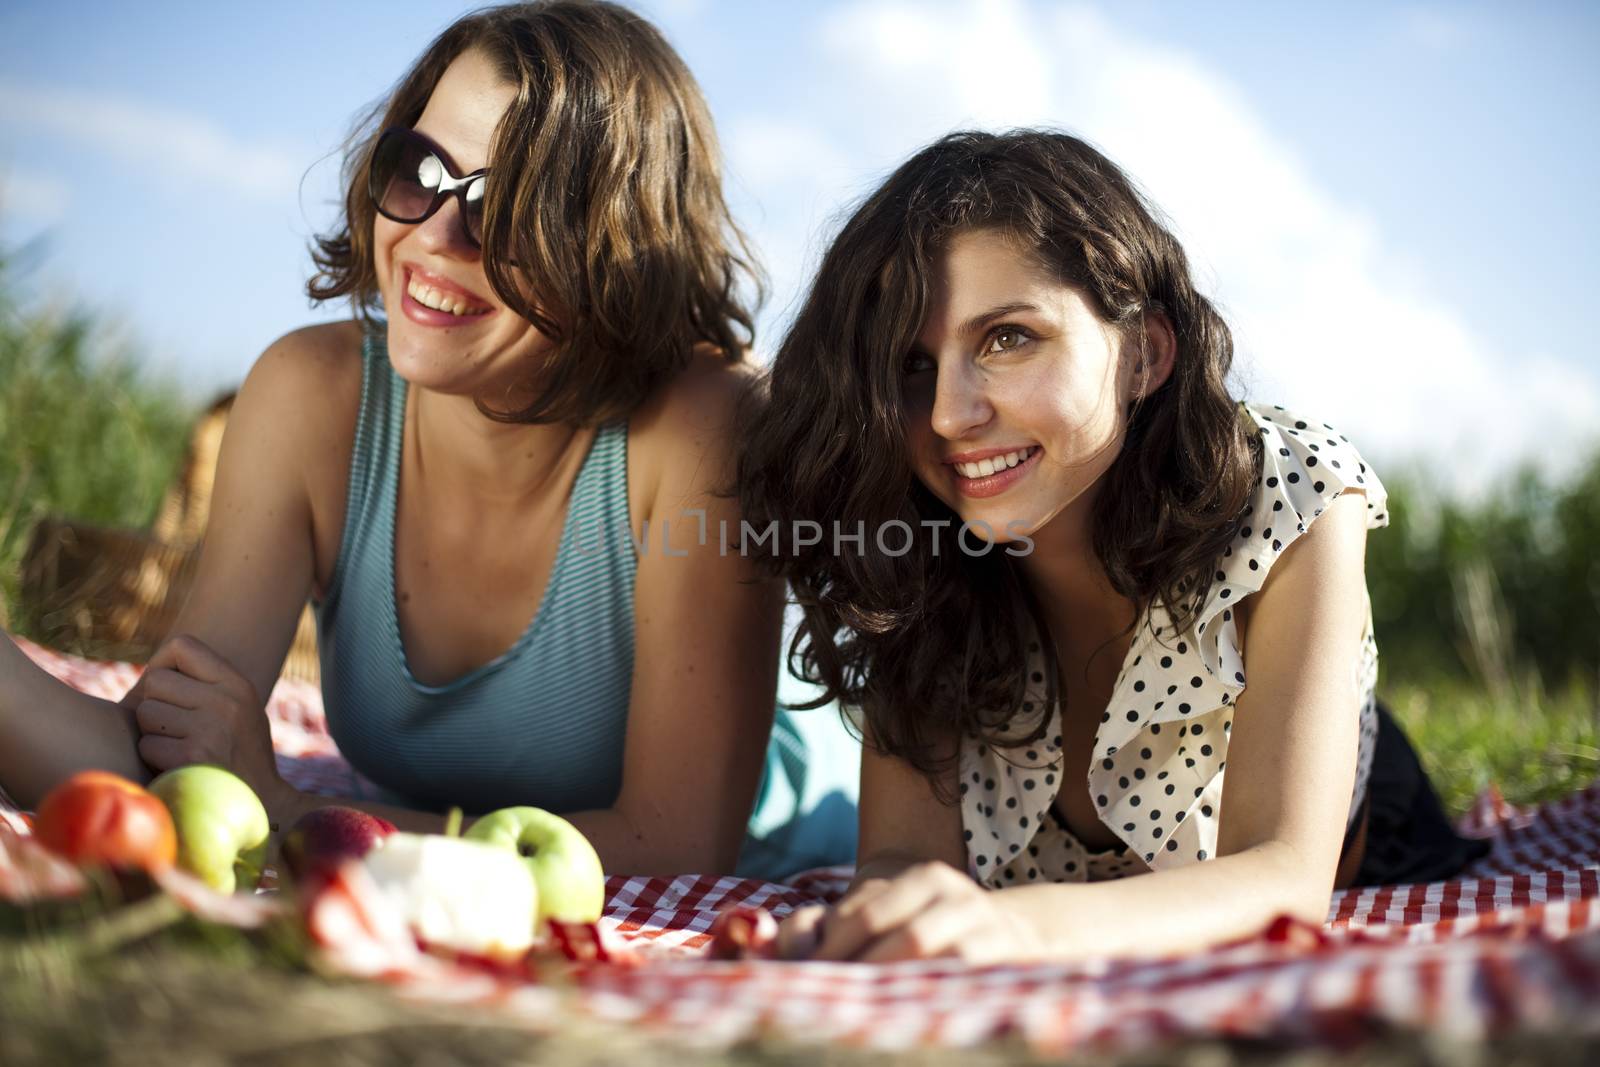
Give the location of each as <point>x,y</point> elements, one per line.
<point>193,706</point>
<point>930,910</point>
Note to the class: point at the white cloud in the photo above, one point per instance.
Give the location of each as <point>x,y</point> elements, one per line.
<point>774,152</point>
<point>1329,318</point>
<point>1436,29</point>
<point>162,143</point>
<point>33,199</point>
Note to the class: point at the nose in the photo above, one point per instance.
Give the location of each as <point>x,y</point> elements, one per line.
<point>445,232</point>
<point>960,404</point>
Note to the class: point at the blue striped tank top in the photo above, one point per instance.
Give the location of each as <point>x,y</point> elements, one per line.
<point>541,724</point>
<point>544,723</point>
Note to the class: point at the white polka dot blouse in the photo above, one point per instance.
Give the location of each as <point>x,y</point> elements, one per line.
<point>1161,748</point>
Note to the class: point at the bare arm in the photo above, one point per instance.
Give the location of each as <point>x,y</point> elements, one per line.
<point>49,730</point>
<point>256,563</point>
<point>1291,768</point>
<point>906,832</point>
<point>902,821</point>
<point>707,628</point>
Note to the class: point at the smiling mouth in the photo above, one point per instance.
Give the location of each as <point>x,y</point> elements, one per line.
<point>983,468</point>
<point>439,300</point>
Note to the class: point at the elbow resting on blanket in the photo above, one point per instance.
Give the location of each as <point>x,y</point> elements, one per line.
<point>1292,884</point>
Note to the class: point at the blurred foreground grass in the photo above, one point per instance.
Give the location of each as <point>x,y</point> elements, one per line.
<point>196,994</point>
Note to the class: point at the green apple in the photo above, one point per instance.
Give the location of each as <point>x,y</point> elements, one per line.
<point>222,826</point>
<point>572,887</point>
<point>457,893</point>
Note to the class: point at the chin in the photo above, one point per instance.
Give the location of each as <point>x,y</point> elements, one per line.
<point>434,367</point>
<point>410,357</point>
<point>993,527</point>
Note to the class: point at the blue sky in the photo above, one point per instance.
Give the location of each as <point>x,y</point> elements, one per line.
<point>1393,203</point>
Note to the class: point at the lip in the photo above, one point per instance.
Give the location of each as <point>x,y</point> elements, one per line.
<point>427,316</point>
<point>996,483</point>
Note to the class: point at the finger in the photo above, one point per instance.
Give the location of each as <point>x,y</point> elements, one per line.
<point>938,931</point>
<point>799,934</point>
<point>133,696</point>
<point>848,933</point>
<point>163,753</point>
<point>158,718</point>
<point>175,688</point>
<point>198,660</point>
<point>178,649</point>
<point>860,895</point>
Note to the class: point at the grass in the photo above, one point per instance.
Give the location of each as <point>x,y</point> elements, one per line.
<point>85,431</point>
<point>1535,745</point>
<point>202,994</point>
<point>199,994</point>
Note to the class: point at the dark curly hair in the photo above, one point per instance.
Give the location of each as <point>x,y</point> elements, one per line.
<point>933,642</point>
<point>605,194</point>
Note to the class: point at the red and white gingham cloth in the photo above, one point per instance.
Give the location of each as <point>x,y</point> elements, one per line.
<point>1513,945</point>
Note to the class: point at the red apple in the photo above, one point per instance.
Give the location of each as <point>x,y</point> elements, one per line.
<point>326,837</point>
<point>96,818</point>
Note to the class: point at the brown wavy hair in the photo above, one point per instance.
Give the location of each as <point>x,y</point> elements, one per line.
<point>932,643</point>
<point>604,220</point>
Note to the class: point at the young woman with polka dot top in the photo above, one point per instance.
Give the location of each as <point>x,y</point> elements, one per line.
<point>1104,628</point>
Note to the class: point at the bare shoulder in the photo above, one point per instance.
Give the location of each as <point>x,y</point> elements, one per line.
<point>687,430</point>
<point>309,362</point>
<point>294,424</point>
<point>295,415</point>
<point>1325,565</point>
<point>703,399</point>
<point>305,386</point>
<point>1331,545</point>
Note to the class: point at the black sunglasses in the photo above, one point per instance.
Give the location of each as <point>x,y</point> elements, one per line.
<point>409,179</point>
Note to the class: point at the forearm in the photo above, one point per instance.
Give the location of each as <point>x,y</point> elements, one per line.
<point>622,848</point>
<point>627,847</point>
<point>1172,911</point>
<point>883,866</point>
<point>286,808</point>
<point>49,730</point>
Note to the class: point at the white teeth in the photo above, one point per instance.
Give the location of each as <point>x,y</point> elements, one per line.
<point>985,467</point>
<point>429,297</point>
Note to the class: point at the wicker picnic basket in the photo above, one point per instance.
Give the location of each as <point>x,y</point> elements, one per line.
<point>114,593</point>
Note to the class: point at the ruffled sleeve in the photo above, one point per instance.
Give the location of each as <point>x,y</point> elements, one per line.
<point>1305,466</point>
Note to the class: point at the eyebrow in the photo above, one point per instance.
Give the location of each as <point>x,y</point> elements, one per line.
<point>978,322</point>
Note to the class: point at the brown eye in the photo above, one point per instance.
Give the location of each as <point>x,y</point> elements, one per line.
<point>1006,338</point>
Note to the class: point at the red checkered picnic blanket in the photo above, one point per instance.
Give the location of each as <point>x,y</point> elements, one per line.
<point>1512,945</point>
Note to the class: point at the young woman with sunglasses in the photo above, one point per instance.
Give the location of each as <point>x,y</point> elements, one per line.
<point>494,493</point>
<point>1112,654</point>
